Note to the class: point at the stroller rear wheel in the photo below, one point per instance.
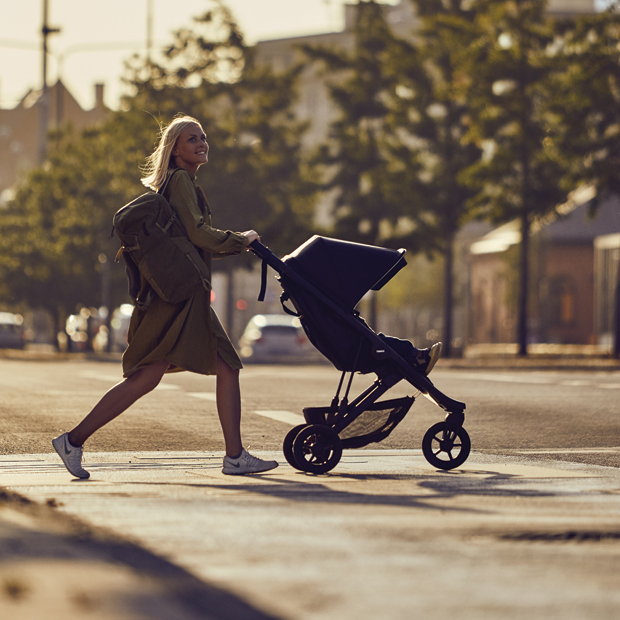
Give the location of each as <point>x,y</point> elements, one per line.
<point>317,449</point>
<point>446,446</point>
<point>287,446</point>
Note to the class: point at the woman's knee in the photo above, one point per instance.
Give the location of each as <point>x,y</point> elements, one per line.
<point>147,379</point>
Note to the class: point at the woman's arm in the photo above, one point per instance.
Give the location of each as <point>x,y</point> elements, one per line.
<point>182,196</point>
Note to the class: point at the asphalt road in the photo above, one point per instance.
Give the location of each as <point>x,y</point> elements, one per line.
<point>526,528</point>
<point>564,415</point>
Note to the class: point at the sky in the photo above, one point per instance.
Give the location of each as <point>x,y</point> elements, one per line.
<point>88,25</point>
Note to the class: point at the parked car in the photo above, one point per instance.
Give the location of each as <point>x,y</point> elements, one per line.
<point>87,330</point>
<point>275,338</point>
<point>12,331</point>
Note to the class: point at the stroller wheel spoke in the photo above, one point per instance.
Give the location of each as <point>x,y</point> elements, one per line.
<point>317,449</point>
<point>446,445</point>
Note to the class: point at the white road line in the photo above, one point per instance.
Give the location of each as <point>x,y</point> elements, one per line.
<point>203,395</point>
<point>167,386</point>
<point>91,374</point>
<point>501,378</point>
<point>288,417</point>
<point>611,450</point>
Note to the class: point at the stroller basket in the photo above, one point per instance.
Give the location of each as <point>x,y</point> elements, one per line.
<point>373,425</point>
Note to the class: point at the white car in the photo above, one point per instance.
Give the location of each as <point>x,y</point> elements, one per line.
<point>275,338</point>
<point>11,331</point>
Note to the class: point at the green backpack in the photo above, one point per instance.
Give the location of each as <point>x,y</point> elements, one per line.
<point>155,244</point>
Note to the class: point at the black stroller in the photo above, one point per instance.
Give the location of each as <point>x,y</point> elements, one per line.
<point>324,279</point>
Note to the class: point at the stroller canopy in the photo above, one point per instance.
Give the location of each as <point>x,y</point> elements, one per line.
<point>343,270</point>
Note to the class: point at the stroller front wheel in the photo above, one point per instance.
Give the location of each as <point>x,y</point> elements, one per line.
<point>287,446</point>
<point>317,449</point>
<point>446,446</point>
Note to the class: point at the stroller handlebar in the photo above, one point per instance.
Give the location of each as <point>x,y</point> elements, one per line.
<point>264,253</point>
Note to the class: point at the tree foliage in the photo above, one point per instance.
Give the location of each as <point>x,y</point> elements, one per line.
<point>509,70</point>
<point>584,101</point>
<point>59,222</point>
<point>428,120</point>
<point>354,157</point>
<point>256,176</point>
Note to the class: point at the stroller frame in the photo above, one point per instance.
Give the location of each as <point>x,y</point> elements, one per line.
<point>316,447</point>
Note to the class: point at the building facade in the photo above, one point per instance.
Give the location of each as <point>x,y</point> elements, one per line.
<point>20,128</point>
<point>572,280</point>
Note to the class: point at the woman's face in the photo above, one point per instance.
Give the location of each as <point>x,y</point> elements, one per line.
<point>191,149</point>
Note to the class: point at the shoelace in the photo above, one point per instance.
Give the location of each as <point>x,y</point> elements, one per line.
<point>74,457</point>
<point>250,459</point>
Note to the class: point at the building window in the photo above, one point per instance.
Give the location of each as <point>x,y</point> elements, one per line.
<point>560,301</point>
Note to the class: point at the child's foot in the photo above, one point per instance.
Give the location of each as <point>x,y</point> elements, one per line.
<point>245,463</point>
<point>427,358</point>
<point>71,455</point>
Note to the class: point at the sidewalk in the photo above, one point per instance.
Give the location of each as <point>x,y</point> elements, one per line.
<point>384,535</point>
<point>53,565</point>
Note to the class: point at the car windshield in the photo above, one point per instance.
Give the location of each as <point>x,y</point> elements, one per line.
<point>285,330</point>
<point>8,328</point>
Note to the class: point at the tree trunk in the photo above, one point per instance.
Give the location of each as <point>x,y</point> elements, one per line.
<point>616,351</point>
<point>59,320</point>
<point>448,297</point>
<point>523,284</point>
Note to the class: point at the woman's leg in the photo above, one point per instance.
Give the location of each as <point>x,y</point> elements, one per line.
<point>118,399</point>
<point>228,399</point>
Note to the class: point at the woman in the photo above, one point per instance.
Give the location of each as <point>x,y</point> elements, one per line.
<point>185,336</point>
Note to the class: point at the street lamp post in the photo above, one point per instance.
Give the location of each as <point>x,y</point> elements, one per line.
<point>43,102</point>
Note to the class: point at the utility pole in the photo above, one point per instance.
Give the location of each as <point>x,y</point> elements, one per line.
<point>149,29</point>
<point>44,100</point>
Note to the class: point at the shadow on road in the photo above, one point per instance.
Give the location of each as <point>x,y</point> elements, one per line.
<point>87,570</point>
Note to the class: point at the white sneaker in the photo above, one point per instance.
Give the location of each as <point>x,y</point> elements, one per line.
<point>71,455</point>
<point>245,463</point>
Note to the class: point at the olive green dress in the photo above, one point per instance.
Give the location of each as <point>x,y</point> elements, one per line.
<point>188,334</point>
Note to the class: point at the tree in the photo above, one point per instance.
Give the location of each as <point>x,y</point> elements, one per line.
<point>55,232</point>
<point>354,158</point>
<point>256,176</point>
<point>584,109</point>
<point>428,120</point>
<point>509,68</point>
<point>60,220</point>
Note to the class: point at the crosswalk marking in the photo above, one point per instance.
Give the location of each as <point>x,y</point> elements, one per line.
<point>204,395</point>
<point>530,379</point>
<point>288,417</point>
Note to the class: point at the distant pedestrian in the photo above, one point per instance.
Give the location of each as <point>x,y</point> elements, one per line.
<point>184,336</point>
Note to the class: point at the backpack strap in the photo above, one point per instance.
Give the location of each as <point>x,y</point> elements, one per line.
<point>162,189</point>
<point>171,221</point>
<point>263,281</point>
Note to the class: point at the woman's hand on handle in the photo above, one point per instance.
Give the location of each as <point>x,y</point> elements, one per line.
<point>252,235</point>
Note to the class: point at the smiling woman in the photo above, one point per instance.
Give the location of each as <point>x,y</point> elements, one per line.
<point>191,150</point>
<point>171,337</point>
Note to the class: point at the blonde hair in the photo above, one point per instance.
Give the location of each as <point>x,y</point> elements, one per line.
<point>161,160</point>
